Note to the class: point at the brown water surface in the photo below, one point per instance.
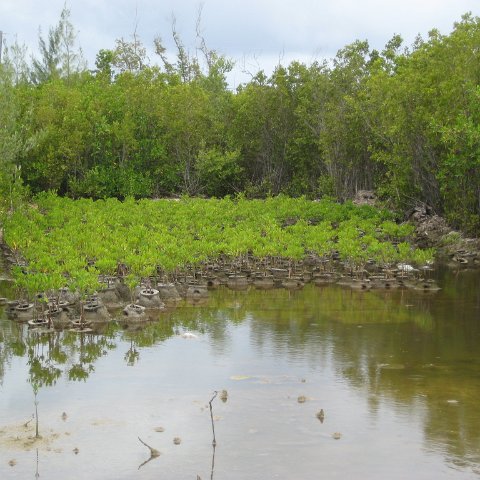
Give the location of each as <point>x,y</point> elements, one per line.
<point>397,374</point>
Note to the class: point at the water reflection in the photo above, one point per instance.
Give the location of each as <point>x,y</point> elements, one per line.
<point>413,354</point>
<point>49,354</point>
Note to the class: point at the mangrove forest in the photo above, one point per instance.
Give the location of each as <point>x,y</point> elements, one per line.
<point>266,280</point>
<point>402,121</point>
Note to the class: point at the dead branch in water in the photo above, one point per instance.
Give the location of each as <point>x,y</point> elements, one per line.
<point>214,442</point>
<point>154,453</point>
<point>215,393</point>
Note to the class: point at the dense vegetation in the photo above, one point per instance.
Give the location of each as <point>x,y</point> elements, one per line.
<point>76,242</point>
<point>402,121</point>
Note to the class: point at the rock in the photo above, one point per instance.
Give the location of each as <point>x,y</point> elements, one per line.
<point>320,279</point>
<point>432,230</point>
<point>321,415</point>
<point>61,318</point>
<point>134,311</point>
<point>237,282</point>
<point>188,335</point>
<point>95,312</point>
<point>429,227</point>
<point>365,197</point>
<point>65,295</point>
<point>356,283</point>
<point>196,291</point>
<point>123,291</point>
<point>110,297</point>
<point>292,284</point>
<point>177,441</point>
<point>264,282</point>
<point>426,285</point>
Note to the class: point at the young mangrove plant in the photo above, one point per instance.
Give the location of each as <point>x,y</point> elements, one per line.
<point>84,241</point>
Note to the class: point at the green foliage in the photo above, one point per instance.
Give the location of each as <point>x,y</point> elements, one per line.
<point>59,55</point>
<point>105,182</point>
<point>72,242</point>
<point>218,172</point>
<point>12,190</point>
<point>403,121</point>
<point>392,230</point>
<point>423,257</point>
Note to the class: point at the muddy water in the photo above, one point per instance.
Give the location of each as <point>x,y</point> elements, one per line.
<point>397,374</point>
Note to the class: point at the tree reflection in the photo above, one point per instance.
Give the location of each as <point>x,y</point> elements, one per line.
<point>49,354</point>
<point>132,355</point>
<point>11,344</point>
<point>406,348</point>
<point>88,348</point>
<point>399,345</point>
<point>44,369</point>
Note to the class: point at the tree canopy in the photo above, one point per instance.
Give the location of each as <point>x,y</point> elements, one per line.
<point>403,121</point>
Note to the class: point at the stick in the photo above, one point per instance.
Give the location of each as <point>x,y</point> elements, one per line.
<point>153,451</point>
<point>213,462</point>
<point>28,421</point>
<point>214,442</point>
<point>215,393</point>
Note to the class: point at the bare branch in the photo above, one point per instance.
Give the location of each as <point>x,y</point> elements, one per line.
<point>215,393</point>
<point>203,45</point>
<point>153,451</point>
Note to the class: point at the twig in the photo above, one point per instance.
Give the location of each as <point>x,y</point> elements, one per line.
<point>153,451</point>
<point>213,462</point>
<point>214,442</point>
<point>145,462</point>
<point>28,421</point>
<point>215,393</point>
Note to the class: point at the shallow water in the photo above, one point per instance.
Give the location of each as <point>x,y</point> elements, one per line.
<point>397,374</point>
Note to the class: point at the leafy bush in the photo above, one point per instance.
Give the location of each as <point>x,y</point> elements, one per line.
<point>76,240</point>
<point>104,182</point>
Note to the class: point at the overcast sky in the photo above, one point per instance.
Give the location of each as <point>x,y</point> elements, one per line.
<point>256,34</point>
